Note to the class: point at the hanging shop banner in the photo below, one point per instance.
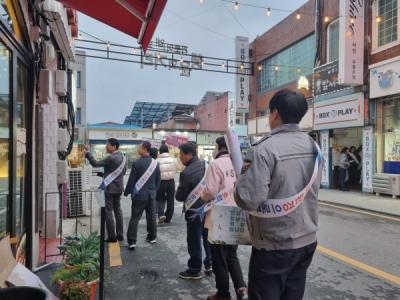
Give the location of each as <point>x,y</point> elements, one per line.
<point>325,155</point>
<point>351,42</point>
<point>384,80</point>
<point>367,159</point>
<point>343,112</point>
<point>242,80</point>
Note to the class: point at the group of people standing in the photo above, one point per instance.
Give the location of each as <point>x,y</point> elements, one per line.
<point>349,167</point>
<point>281,165</point>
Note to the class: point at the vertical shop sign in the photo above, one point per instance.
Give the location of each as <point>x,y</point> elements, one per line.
<point>351,42</point>
<point>325,154</point>
<point>242,80</point>
<point>367,159</point>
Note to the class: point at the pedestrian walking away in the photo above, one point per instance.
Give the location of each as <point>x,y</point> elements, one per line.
<point>189,191</point>
<point>113,184</point>
<point>166,192</point>
<point>142,185</point>
<point>282,166</point>
<point>220,176</point>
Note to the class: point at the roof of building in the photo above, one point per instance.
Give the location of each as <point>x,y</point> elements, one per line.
<point>211,96</point>
<point>145,114</point>
<point>112,125</point>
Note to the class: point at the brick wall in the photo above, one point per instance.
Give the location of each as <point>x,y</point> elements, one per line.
<point>213,113</point>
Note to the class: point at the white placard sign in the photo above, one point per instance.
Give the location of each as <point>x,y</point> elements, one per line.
<point>127,135</point>
<point>242,80</point>
<point>325,155</point>
<point>342,112</point>
<point>367,159</point>
<point>351,42</point>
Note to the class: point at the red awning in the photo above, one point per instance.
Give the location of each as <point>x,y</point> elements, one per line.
<point>138,18</point>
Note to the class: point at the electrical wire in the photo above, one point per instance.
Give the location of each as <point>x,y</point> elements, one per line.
<point>236,19</point>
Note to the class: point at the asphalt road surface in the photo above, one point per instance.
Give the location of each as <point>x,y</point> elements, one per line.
<point>358,258</point>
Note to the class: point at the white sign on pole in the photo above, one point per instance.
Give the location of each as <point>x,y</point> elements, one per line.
<point>231,111</point>
<point>242,80</point>
<point>351,42</point>
<point>367,159</point>
<point>325,155</point>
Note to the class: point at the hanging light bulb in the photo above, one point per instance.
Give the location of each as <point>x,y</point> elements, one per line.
<point>352,19</point>
<point>326,19</point>
<point>80,36</point>
<point>236,5</point>
<point>222,65</point>
<point>201,1</point>
<point>259,67</point>
<point>158,55</point>
<point>298,16</point>
<point>378,19</point>
<point>108,45</point>
<point>269,11</point>
<point>276,68</point>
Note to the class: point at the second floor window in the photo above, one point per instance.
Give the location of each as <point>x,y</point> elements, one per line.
<point>78,79</point>
<point>387,28</point>
<point>333,41</point>
<point>78,116</point>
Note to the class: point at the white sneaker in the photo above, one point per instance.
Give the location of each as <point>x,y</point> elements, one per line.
<point>132,247</point>
<point>151,241</point>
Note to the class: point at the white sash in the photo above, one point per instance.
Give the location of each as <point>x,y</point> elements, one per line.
<point>114,174</point>
<point>354,158</point>
<point>196,192</point>
<point>146,175</point>
<point>274,208</point>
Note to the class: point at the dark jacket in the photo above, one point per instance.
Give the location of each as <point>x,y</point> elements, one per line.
<point>110,163</point>
<point>150,188</point>
<point>188,180</point>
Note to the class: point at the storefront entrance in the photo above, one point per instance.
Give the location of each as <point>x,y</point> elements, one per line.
<point>351,139</point>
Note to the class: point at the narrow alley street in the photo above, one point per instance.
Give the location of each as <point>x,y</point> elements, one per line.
<point>346,239</point>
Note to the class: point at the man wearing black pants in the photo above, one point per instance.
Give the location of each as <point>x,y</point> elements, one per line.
<point>283,176</point>
<point>166,192</point>
<point>143,198</point>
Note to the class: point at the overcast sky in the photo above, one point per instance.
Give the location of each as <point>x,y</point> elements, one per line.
<point>113,87</point>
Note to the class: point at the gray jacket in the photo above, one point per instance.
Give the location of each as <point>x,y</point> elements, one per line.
<point>281,166</point>
<point>110,163</point>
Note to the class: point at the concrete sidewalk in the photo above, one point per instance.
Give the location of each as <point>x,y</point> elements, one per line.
<point>381,204</point>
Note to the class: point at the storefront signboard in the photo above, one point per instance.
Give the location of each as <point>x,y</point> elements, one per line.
<point>325,155</point>
<point>154,143</point>
<point>347,111</point>
<point>126,135</point>
<point>242,80</point>
<point>326,79</point>
<point>351,42</point>
<point>231,110</point>
<point>208,138</point>
<point>384,80</point>
<point>367,159</point>
<point>176,140</point>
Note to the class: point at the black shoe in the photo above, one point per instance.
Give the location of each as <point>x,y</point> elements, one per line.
<point>132,247</point>
<point>208,271</point>
<point>190,275</point>
<point>120,238</point>
<point>114,240</point>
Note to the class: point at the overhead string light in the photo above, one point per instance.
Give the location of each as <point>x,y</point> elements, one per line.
<point>326,19</point>
<point>201,1</point>
<point>378,19</point>
<point>269,11</point>
<point>236,5</point>
<point>298,16</point>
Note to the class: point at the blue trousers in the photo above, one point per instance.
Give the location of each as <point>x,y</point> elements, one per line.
<point>195,232</point>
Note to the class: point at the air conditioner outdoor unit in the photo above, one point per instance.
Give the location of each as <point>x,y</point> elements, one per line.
<point>388,184</point>
<point>79,197</point>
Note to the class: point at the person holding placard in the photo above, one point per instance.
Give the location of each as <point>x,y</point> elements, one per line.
<point>279,191</point>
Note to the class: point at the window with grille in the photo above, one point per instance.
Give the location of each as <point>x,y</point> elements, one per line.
<point>387,28</point>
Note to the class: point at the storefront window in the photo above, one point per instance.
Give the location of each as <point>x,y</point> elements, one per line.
<point>5,57</point>
<point>21,119</point>
<point>391,129</point>
<point>333,41</point>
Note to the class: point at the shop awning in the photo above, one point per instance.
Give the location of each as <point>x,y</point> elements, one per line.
<point>138,18</point>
